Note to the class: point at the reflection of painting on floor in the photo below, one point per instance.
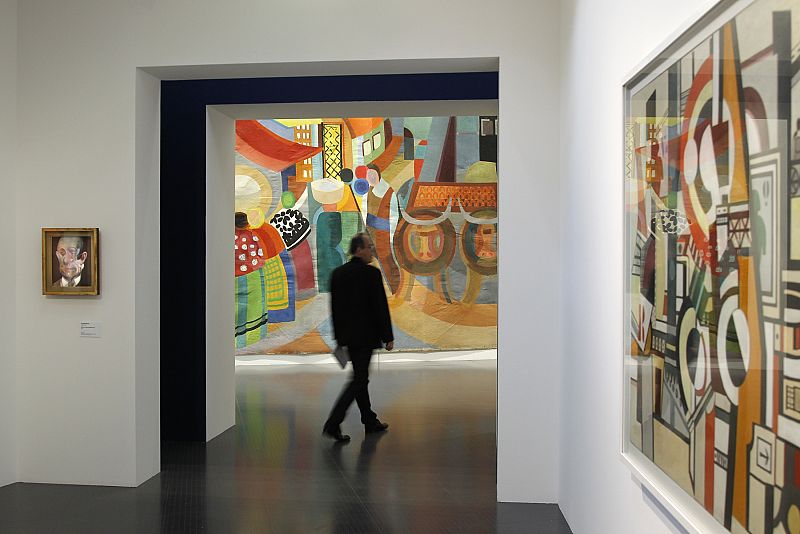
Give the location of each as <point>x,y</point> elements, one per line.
<point>713,211</point>
<point>423,188</point>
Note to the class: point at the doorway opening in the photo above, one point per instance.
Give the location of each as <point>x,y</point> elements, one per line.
<point>193,405</point>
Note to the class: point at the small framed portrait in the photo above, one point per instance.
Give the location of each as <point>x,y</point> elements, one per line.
<point>70,261</point>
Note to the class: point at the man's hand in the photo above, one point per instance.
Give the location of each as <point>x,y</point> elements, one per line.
<point>390,345</point>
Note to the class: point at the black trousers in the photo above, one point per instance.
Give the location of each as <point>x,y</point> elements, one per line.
<point>355,389</point>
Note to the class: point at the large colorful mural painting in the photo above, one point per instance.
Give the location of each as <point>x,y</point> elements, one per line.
<point>423,188</point>
<point>713,227</point>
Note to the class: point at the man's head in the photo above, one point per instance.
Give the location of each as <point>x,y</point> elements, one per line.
<point>361,247</point>
<point>71,256</point>
<point>241,220</point>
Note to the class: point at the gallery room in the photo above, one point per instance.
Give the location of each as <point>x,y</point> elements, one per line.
<point>556,242</point>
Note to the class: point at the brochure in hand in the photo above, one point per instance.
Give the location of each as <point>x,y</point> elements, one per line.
<point>341,355</point>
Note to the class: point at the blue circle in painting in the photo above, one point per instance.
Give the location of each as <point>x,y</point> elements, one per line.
<point>361,186</point>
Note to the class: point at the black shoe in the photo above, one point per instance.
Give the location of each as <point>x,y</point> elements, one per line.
<point>375,426</point>
<point>335,434</point>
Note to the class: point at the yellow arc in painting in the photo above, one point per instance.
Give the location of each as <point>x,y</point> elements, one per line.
<point>441,334</point>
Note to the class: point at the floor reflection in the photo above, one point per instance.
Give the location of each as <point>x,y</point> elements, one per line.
<point>434,466</point>
<point>432,471</point>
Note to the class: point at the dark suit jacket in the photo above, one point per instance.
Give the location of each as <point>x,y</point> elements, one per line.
<point>85,280</point>
<point>358,305</point>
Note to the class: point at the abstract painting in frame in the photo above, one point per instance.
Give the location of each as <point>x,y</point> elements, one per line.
<point>70,264</point>
<point>712,269</point>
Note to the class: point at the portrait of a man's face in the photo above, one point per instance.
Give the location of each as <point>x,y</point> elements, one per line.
<point>70,261</point>
<point>71,254</point>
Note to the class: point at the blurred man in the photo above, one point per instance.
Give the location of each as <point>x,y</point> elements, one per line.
<point>361,322</point>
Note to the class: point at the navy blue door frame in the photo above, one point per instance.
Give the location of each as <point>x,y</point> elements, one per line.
<point>183,176</point>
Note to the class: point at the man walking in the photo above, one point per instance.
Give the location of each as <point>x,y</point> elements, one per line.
<point>361,322</point>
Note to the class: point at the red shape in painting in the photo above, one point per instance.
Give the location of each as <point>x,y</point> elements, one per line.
<point>303,266</point>
<point>248,253</point>
<point>268,149</point>
<point>709,463</point>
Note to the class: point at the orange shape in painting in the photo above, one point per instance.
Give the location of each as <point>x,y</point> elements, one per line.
<point>271,240</point>
<point>732,94</point>
<point>361,126</point>
<point>348,202</point>
<point>750,393</point>
<point>261,145</point>
<point>310,343</point>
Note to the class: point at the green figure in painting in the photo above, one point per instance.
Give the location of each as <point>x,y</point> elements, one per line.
<point>250,284</point>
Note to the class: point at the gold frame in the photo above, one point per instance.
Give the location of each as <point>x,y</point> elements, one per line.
<point>48,286</point>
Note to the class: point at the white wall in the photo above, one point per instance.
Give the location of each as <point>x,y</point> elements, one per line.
<point>76,396</point>
<point>220,378</point>
<point>81,415</point>
<point>8,140</point>
<point>148,250</point>
<point>602,43</point>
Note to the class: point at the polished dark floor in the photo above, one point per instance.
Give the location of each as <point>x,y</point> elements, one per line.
<point>432,471</point>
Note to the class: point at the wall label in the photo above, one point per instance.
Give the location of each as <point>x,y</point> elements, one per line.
<point>91,329</point>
